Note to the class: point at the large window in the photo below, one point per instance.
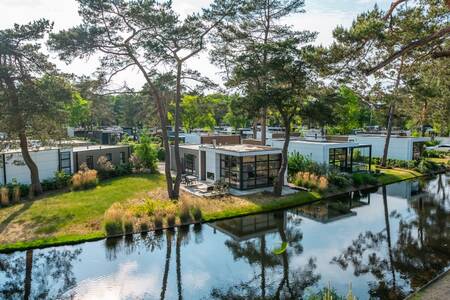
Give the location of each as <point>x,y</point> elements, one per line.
<point>90,162</point>
<point>338,158</point>
<point>360,159</point>
<point>189,164</point>
<point>249,171</point>
<point>65,163</point>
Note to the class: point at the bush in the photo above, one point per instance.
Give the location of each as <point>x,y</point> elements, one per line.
<point>363,179</point>
<point>84,179</point>
<point>426,166</point>
<point>4,196</point>
<point>299,163</point>
<point>145,154</point>
<point>23,188</point>
<point>123,169</point>
<point>16,194</point>
<point>340,180</point>
<point>114,220</point>
<point>62,179</point>
<point>433,154</point>
<point>105,168</point>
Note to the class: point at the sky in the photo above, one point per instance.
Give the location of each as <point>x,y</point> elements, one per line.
<point>321,16</point>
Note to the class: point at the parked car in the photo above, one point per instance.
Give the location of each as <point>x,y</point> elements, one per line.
<point>441,147</point>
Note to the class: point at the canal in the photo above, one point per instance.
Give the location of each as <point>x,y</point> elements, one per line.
<point>380,244</point>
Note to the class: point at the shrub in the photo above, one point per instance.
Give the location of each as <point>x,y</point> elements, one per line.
<point>114,219</point>
<point>363,178</point>
<point>184,213</point>
<point>426,166</point>
<point>340,180</point>
<point>62,179</point>
<point>146,153</point>
<point>4,196</point>
<point>123,169</point>
<point>299,163</point>
<point>433,154</point>
<point>197,213</point>
<point>84,179</point>
<point>105,168</point>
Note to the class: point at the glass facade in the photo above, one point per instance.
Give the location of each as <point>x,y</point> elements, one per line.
<point>352,159</point>
<point>249,171</point>
<point>189,164</point>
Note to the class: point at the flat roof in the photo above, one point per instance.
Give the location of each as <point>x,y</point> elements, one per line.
<point>324,143</point>
<point>97,147</point>
<point>30,149</point>
<point>392,136</point>
<point>240,148</point>
<point>190,146</point>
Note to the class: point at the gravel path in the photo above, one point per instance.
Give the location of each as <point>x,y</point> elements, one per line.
<point>438,290</point>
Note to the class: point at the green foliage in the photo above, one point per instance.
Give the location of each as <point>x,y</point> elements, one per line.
<point>79,111</point>
<point>299,163</point>
<point>197,112</point>
<point>147,153</point>
<point>197,213</point>
<point>434,154</point>
<point>341,180</point>
<point>364,179</point>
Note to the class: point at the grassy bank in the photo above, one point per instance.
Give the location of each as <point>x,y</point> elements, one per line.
<point>79,216</point>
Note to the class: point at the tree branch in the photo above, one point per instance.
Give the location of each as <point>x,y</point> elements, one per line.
<point>409,47</point>
<point>391,9</point>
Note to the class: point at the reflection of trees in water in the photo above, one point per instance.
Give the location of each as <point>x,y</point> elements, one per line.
<point>156,241</point>
<point>292,283</point>
<point>38,274</point>
<point>419,254</point>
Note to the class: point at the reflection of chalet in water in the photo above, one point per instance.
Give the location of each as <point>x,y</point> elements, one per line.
<point>405,190</point>
<point>248,227</point>
<point>332,210</point>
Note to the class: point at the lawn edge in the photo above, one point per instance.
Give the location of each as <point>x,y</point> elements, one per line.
<point>281,205</point>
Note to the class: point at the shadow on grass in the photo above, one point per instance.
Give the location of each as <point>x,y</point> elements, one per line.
<point>14,215</point>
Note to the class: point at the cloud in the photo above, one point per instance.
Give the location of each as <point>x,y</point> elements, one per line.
<point>124,284</point>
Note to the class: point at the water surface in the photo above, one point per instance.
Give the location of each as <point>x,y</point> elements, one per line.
<point>386,243</point>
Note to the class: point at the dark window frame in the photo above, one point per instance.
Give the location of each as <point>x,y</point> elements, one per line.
<point>122,157</point>
<point>90,161</point>
<point>67,159</point>
<point>189,164</point>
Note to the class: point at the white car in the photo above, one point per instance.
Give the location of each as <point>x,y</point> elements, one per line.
<point>441,147</point>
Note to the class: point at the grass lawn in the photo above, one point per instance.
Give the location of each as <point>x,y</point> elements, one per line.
<point>70,216</point>
<point>396,174</point>
<point>78,216</point>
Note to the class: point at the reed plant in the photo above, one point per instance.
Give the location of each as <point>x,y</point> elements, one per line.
<point>171,219</point>
<point>128,225</point>
<point>184,212</point>
<point>113,221</point>
<point>84,179</point>
<point>16,194</point>
<point>158,220</point>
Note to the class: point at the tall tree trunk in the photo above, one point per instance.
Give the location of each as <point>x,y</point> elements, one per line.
<point>388,233</point>
<point>34,172</point>
<point>263,126</point>
<point>162,112</point>
<point>255,123</point>
<point>28,273</point>
<point>388,134</point>
<point>263,267</point>
<point>19,126</point>
<point>176,188</point>
<point>279,182</point>
<point>178,263</point>
<point>167,264</point>
<point>391,115</point>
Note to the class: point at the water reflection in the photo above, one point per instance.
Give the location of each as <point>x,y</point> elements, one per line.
<point>384,242</point>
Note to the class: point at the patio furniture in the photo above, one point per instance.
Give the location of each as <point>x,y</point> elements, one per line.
<point>191,179</point>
